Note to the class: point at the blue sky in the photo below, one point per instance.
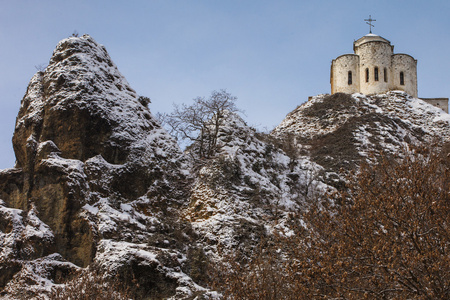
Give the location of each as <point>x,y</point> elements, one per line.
<point>272,55</point>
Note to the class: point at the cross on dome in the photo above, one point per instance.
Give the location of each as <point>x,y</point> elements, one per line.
<point>370,20</point>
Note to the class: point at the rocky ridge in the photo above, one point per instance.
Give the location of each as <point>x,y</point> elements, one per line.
<point>339,131</point>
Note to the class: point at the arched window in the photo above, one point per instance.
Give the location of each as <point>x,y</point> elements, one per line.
<point>350,78</point>
<point>402,78</point>
<point>367,75</point>
<point>385,75</point>
<point>375,73</point>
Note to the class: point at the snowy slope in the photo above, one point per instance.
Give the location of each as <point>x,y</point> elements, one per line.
<point>249,189</point>
<point>340,130</point>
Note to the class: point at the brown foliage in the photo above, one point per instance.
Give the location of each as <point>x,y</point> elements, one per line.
<point>261,277</point>
<point>388,237</point>
<point>92,283</point>
<point>335,102</point>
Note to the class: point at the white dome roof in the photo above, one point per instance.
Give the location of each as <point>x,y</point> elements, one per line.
<point>370,38</point>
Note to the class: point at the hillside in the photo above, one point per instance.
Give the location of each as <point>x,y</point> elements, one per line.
<point>100,185</point>
<point>339,131</point>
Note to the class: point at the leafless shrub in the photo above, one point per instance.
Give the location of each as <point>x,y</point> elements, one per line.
<point>40,67</point>
<point>333,102</point>
<point>198,265</point>
<point>201,121</point>
<point>91,284</point>
<point>145,101</point>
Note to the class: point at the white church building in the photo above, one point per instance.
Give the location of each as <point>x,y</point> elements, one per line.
<point>374,68</point>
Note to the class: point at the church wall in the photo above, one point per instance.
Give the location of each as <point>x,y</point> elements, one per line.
<point>340,68</point>
<point>442,103</point>
<point>375,52</point>
<point>408,65</point>
<point>372,55</point>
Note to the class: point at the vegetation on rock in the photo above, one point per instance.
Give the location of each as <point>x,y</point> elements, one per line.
<point>201,122</point>
<point>386,237</point>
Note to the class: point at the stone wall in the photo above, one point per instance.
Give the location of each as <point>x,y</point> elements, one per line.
<point>442,103</point>
<point>408,65</point>
<point>374,55</point>
<point>340,68</point>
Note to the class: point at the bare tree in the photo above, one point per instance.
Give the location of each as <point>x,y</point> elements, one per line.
<point>201,121</point>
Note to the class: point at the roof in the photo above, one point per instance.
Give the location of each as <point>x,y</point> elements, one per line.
<point>370,38</point>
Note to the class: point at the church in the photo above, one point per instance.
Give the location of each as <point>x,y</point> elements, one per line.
<point>374,68</point>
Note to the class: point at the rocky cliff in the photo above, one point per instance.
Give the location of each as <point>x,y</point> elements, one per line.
<point>96,178</point>
<point>98,181</point>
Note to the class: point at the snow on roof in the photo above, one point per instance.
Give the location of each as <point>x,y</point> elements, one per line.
<point>370,38</point>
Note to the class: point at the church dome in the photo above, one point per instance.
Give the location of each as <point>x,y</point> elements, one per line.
<point>370,38</point>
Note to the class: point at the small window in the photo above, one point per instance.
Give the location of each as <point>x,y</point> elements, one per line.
<point>385,75</point>
<point>402,78</point>
<point>375,73</point>
<point>367,75</point>
<point>350,78</point>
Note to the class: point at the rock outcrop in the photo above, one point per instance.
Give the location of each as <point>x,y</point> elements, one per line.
<point>339,131</point>
<point>94,170</point>
<point>249,189</point>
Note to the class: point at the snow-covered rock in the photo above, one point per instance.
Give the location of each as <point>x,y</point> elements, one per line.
<point>93,165</point>
<point>249,189</point>
<point>338,131</point>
